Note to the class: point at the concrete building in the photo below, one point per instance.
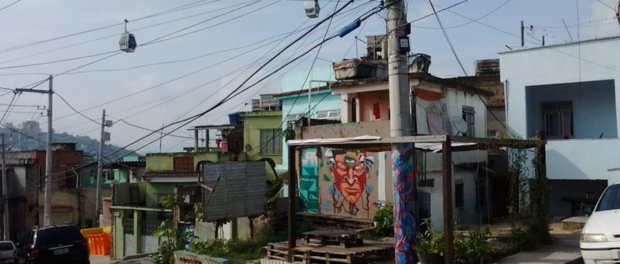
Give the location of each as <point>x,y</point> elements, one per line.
<point>25,176</point>
<point>262,135</point>
<point>570,91</point>
<point>443,106</point>
<point>296,100</point>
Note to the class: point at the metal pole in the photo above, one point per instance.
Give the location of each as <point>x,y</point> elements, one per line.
<point>403,174</point>
<point>522,34</point>
<point>5,190</point>
<point>99,172</point>
<point>309,102</point>
<point>47,211</point>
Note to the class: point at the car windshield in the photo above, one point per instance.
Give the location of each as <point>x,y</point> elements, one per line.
<point>67,234</point>
<point>4,246</point>
<point>610,199</point>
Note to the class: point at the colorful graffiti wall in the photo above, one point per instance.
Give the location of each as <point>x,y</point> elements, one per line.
<point>308,182</point>
<point>346,182</point>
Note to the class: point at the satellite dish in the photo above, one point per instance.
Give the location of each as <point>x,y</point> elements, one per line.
<point>460,124</point>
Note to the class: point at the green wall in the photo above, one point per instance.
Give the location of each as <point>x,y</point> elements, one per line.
<point>89,178</point>
<point>164,162</point>
<point>155,190</point>
<point>253,122</point>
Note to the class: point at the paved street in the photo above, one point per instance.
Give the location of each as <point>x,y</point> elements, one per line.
<point>99,259</point>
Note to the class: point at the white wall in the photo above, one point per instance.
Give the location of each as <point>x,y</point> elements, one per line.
<point>456,99</point>
<point>552,65</point>
<point>566,159</point>
<point>582,159</point>
<point>469,214</point>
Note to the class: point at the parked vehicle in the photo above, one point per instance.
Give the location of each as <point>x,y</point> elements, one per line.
<point>7,252</point>
<point>600,238</point>
<point>54,244</point>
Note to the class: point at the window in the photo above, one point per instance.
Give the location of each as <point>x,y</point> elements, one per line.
<point>610,199</point>
<point>558,119</point>
<point>459,195</point>
<point>328,114</point>
<point>270,142</point>
<point>469,117</point>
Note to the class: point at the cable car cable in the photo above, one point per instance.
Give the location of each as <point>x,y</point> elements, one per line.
<point>96,29</point>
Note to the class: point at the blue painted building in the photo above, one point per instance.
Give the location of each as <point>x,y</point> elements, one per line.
<point>295,98</point>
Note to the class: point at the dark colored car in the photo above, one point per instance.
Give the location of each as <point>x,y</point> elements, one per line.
<point>54,244</point>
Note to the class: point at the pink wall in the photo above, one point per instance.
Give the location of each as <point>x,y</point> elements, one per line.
<point>367,103</point>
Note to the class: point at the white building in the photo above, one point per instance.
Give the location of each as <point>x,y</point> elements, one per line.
<point>570,92</point>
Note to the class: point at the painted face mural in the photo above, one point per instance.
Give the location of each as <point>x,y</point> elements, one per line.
<point>349,171</point>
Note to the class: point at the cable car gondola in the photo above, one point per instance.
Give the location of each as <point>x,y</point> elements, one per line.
<point>312,8</point>
<point>128,41</point>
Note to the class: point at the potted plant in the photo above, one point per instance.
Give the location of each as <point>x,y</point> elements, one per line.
<point>430,245</point>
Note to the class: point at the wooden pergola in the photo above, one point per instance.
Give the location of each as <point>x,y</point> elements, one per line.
<point>448,144</point>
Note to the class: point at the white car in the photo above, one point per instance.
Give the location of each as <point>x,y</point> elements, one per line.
<point>7,252</point>
<point>600,238</point>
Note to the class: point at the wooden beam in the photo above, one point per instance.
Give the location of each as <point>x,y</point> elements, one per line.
<point>292,201</point>
<point>448,222</point>
<point>149,209</point>
<point>381,141</point>
<point>520,143</point>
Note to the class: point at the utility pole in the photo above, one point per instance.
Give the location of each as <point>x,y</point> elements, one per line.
<point>5,192</point>
<point>105,136</point>
<point>403,174</point>
<point>522,34</point>
<point>47,209</point>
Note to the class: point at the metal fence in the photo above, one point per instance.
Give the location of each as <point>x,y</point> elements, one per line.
<point>240,191</point>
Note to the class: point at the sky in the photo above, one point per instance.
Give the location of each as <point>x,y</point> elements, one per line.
<point>215,45</point>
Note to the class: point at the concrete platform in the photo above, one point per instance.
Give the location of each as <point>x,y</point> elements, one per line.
<point>565,250</point>
<point>574,223</point>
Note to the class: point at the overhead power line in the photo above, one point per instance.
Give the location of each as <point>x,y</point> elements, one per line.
<point>176,9</point>
<point>234,93</point>
<point>9,5</point>
<point>76,111</point>
<point>456,56</point>
<point>238,90</point>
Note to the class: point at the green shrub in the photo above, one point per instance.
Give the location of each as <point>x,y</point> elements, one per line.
<point>474,249</point>
<point>429,242</point>
<point>384,219</point>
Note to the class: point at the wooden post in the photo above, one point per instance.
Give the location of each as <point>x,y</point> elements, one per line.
<point>292,201</point>
<point>540,166</point>
<point>448,222</point>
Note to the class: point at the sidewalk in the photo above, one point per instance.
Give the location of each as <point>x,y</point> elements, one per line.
<point>564,250</point>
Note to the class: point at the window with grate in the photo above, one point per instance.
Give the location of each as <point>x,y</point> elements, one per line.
<point>558,119</point>
<point>270,141</point>
<point>426,183</point>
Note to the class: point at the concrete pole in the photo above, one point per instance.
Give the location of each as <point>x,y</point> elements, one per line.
<point>47,211</point>
<point>5,191</point>
<point>403,175</point>
<point>102,140</point>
